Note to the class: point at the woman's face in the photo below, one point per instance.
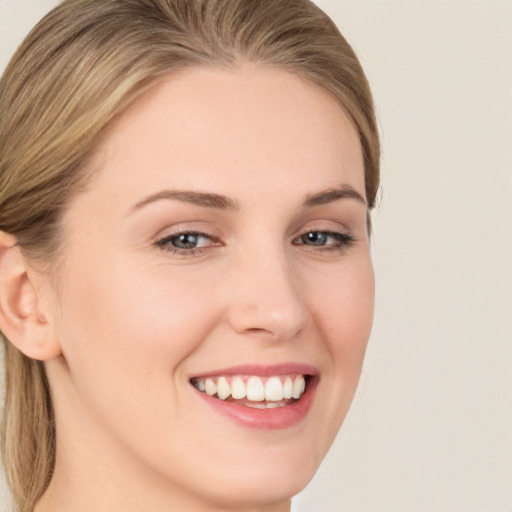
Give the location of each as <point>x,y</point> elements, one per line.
<point>222,246</point>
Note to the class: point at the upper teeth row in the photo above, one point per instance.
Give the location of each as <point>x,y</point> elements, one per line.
<point>253,388</point>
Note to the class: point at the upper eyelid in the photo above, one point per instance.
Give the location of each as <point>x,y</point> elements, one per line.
<point>317,227</point>
<point>162,240</point>
<point>170,232</point>
<point>162,243</point>
<point>215,234</point>
<point>340,236</point>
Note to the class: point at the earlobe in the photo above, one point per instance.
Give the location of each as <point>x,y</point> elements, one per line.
<point>23,320</point>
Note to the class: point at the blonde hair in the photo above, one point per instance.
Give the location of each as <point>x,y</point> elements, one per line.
<point>74,73</point>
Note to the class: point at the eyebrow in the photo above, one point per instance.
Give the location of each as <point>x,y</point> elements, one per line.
<point>204,199</point>
<point>221,202</point>
<point>333,194</point>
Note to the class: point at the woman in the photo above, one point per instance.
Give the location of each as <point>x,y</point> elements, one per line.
<point>186,290</point>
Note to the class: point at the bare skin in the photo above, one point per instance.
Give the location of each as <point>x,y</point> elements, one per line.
<point>269,277</point>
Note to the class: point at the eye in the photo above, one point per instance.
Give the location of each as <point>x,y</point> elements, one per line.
<point>185,243</point>
<point>315,238</point>
<point>325,240</point>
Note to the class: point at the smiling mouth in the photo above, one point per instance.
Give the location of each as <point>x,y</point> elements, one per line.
<point>254,391</point>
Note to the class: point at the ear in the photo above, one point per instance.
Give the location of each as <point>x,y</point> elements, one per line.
<point>23,319</point>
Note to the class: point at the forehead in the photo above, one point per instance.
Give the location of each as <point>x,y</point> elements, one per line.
<point>208,128</point>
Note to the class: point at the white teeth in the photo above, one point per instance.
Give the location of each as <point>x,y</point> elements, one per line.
<point>210,387</point>
<point>238,389</point>
<point>288,388</point>
<point>299,384</point>
<point>274,389</point>
<point>255,389</point>
<point>223,388</point>
<point>257,405</point>
<point>265,405</point>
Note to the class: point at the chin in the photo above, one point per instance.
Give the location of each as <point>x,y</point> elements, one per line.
<point>271,476</point>
<point>257,490</point>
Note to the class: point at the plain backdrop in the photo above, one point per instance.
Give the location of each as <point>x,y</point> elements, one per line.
<point>431,427</point>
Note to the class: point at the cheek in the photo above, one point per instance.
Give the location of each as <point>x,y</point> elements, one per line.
<point>126,333</point>
<point>345,312</point>
<point>346,304</point>
<point>129,329</point>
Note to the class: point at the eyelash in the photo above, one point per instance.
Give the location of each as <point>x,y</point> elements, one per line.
<point>165,243</point>
<point>342,241</point>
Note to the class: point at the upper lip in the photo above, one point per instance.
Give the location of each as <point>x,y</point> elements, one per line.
<point>262,370</point>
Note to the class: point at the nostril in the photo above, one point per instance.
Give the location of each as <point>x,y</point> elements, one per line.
<point>268,306</point>
<point>258,330</point>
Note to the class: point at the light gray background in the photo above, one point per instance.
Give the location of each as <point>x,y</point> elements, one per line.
<point>431,427</point>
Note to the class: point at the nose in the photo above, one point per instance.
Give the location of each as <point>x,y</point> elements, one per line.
<point>267,299</point>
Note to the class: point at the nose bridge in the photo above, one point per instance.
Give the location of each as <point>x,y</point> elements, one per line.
<point>268,298</point>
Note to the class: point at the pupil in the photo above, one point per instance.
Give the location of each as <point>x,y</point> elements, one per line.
<point>316,238</point>
<point>186,241</point>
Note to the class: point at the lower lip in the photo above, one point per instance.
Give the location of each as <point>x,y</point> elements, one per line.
<point>266,419</point>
